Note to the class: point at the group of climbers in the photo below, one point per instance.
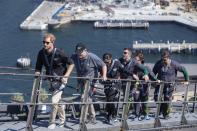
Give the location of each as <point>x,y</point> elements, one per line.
<point>87,64</point>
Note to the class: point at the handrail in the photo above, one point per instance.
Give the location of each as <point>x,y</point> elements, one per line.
<point>75,77</point>
<point>17,68</point>
<point>17,93</point>
<point>28,68</point>
<point>84,103</point>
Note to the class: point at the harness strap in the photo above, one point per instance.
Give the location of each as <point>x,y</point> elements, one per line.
<point>50,65</point>
<point>111,67</point>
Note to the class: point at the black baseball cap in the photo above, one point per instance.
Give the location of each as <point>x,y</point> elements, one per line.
<point>80,47</point>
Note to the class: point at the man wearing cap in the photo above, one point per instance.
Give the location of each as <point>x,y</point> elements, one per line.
<point>166,71</point>
<point>55,62</point>
<point>87,65</point>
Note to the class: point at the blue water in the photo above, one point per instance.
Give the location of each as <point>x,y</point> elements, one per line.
<point>15,43</point>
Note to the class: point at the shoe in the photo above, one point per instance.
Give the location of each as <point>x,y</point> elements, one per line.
<point>146,117</point>
<point>61,124</point>
<point>135,119</point>
<point>52,126</point>
<point>152,115</point>
<point>87,121</point>
<point>115,120</point>
<point>139,119</point>
<point>92,120</point>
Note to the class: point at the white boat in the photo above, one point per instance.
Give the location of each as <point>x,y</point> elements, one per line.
<point>23,62</point>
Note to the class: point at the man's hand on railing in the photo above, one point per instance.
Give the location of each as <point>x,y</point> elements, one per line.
<point>64,80</point>
<point>104,78</point>
<point>185,83</point>
<point>158,81</point>
<point>136,77</point>
<point>146,78</point>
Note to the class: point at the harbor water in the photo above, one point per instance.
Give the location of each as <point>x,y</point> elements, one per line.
<point>16,43</point>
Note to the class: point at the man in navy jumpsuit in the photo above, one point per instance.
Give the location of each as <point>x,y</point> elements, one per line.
<point>166,70</point>
<point>111,87</point>
<point>129,65</point>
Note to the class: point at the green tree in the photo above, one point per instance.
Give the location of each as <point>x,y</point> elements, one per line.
<point>17,97</point>
<point>43,97</point>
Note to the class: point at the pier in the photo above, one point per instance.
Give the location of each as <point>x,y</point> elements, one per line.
<point>121,24</point>
<point>188,48</point>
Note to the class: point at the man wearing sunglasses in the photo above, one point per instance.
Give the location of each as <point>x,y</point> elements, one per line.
<point>130,64</point>
<point>57,63</point>
<point>166,71</point>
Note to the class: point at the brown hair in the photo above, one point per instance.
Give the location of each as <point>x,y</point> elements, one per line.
<point>165,54</point>
<point>141,57</point>
<point>51,36</point>
<point>107,56</point>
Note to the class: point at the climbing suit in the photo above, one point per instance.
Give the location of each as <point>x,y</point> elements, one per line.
<point>127,73</point>
<point>112,87</point>
<point>111,90</point>
<point>141,92</point>
<point>167,96</point>
<point>167,74</point>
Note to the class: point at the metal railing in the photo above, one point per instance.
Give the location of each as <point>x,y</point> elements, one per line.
<point>84,104</point>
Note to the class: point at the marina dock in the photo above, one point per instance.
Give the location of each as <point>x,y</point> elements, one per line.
<point>43,15</point>
<point>188,48</point>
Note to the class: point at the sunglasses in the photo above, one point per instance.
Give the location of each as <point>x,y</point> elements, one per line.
<point>46,42</point>
<point>125,52</point>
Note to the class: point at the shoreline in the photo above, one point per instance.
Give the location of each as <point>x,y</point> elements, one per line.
<point>40,18</point>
